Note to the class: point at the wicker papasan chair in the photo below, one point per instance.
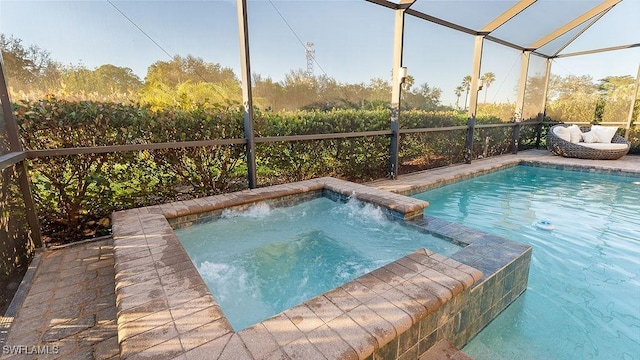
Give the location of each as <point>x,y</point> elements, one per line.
<point>618,147</point>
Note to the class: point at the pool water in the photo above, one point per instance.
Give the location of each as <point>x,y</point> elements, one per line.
<point>262,261</point>
<point>583,297</point>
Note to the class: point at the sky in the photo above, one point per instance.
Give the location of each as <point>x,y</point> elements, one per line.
<point>353,39</point>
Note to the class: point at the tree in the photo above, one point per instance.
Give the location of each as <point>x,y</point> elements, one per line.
<point>300,90</point>
<point>108,81</point>
<point>189,82</point>
<point>572,98</point>
<point>458,92</point>
<point>616,95</point>
<point>570,86</point>
<point>267,94</point>
<point>27,68</point>
<point>117,79</point>
<point>487,79</point>
<point>422,98</point>
<point>380,90</point>
<point>190,68</point>
<point>466,84</point>
<point>533,97</point>
<point>408,83</point>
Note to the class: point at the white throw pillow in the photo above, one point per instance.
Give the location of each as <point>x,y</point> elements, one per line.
<point>562,132</point>
<point>576,134</point>
<point>590,137</point>
<point>604,133</point>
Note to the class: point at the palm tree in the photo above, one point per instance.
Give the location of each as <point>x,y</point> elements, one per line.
<point>487,79</point>
<point>409,81</point>
<point>466,84</point>
<point>458,92</point>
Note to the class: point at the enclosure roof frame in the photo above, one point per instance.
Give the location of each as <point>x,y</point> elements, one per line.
<point>594,14</point>
<point>600,9</point>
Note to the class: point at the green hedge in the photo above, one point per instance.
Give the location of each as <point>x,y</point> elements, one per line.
<point>75,195</point>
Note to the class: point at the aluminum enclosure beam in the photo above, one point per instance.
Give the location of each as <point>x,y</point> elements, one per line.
<point>522,85</point>
<point>543,103</point>
<point>599,11</point>
<point>247,95</point>
<point>475,85</point>
<point>396,92</point>
<point>384,3</point>
<point>405,4</point>
<point>32,154</point>
<point>545,91</point>
<point>474,88</point>
<point>11,126</point>
<point>522,89</point>
<point>450,25</point>
<point>595,51</point>
<point>463,29</point>
<point>21,168</point>
<point>604,6</point>
<point>507,15</point>
<point>633,103</point>
<point>12,158</point>
<point>593,21</point>
<point>439,21</point>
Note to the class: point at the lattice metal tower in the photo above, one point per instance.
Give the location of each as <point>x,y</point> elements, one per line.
<point>310,51</point>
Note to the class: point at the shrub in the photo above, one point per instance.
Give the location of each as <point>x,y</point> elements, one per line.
<point>76,194</point>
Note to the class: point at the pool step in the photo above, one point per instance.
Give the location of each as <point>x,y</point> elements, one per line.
<point>444,350</point>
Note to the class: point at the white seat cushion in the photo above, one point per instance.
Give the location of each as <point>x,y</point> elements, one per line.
<point>591,137</point>
<point>604,133</point>
<point>562,132</point>
<point>604,146</point>
<point>576,134</point>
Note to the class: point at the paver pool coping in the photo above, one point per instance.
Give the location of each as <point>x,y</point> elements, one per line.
<point>166,310</point>
<point>428,179</point>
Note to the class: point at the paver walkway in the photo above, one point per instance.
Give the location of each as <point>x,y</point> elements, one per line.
<point>69,311</point>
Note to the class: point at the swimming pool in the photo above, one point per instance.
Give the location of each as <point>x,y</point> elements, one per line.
<point>269,259</point>
<point>583,298</point>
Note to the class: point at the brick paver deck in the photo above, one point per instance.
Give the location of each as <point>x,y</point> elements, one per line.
<point>69,311</point>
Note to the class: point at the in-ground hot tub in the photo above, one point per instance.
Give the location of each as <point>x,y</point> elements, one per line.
<point>263,260</point>
<point>165,310</point>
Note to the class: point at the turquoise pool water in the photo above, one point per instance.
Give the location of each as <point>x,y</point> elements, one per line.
<point>583,297</point>
<point>262,261</point>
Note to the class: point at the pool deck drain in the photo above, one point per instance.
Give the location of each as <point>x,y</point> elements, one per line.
<point>39,317</point>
